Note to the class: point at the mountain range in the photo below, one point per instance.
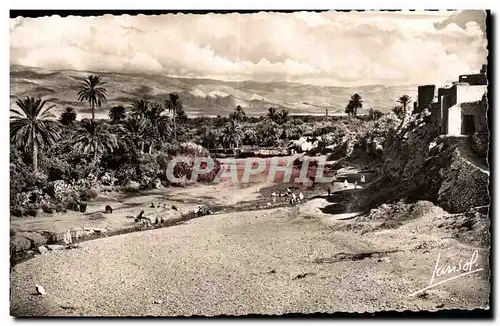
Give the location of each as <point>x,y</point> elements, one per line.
<point>200,97</point>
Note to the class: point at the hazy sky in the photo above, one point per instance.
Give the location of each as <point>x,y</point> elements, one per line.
<point>329,48</point>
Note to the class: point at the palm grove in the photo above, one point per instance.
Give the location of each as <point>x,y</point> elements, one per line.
<point>55,163</point>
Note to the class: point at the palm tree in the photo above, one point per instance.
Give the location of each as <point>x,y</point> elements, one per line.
<point>94,137</point>
<point>232,134</point>
<point>239,114</point>
<point>404,101</point>
<point>140,108</point>
<point>282,116</point>
<point>272,114</point>
<point>91,91</point>
<point>349,109</point>
<point>117,113</point>
<point>180,114</point>
<point>154,111</point>
<point>68,116</point>
<point>173,104</point>
<point>398,111</point>
<point>374,114</point>
<point>158,123</point>
<point>355,103</point>
<point>33,126</point>
<point>138,130</point>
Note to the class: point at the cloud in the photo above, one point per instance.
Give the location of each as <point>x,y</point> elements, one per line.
<point>463,18</point>
<point>331,48</point>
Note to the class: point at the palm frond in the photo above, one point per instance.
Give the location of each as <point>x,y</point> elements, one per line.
<point>33,118</point>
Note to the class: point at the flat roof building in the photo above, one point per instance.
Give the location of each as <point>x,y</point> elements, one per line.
<point>461,108</point>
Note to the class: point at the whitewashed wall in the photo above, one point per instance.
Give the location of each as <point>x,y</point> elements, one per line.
<point>455,120</point>
<point>466,93</point>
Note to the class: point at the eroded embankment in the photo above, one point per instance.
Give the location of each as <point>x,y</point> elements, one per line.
<point>424,166</point>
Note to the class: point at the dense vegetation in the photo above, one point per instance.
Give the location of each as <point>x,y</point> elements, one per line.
<point>59,163</point>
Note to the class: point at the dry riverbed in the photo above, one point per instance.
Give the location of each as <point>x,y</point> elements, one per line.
<point>272,260</point>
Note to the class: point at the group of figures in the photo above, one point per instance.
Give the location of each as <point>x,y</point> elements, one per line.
<point>293,198</point>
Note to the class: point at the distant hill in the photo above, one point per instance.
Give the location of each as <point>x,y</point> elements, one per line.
<point>199,96</point>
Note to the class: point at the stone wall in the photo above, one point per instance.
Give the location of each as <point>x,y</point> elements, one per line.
<point>425,97</point>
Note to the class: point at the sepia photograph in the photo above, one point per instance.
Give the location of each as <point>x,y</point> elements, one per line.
<point>235,163</point>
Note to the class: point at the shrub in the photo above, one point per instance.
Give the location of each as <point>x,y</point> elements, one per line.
<point>73,205</point>
<point>130,189</point>
<point>63,162</point>
<point>49,208</point>
<point>60,208</point>
<point>17,212</point>
<point>147,170</point>
<point>211,138</point>
<point>126,174</point>
<point>63,192</point>
<point>182,169</point>
<point>210,176</point>
<point>109,178</point>
<point>268,134</point>
<point>88,193</point>
<point>192,149</point>
<point>18,200</point>
<point>250,136</point>
<point>83,207</point>
<point>374,114</point>
<point>324,130</point>
<point>22,179</point>
<point>162,161</point>
<point>32,209</point>
<point>296,128</point>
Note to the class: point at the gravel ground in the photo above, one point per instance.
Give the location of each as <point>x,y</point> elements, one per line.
<point>260,262</point>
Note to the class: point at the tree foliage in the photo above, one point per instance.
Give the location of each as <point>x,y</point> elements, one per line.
<point>32,125</point>
<point>68,117</point>
<point>94,137</point>
<point>91,90</point>
<point>117,114</point>
<point>374,114</point>
<point>238,114</point>
<point>174,106</point>
<point>355,103</point>
<point>232,134</point>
